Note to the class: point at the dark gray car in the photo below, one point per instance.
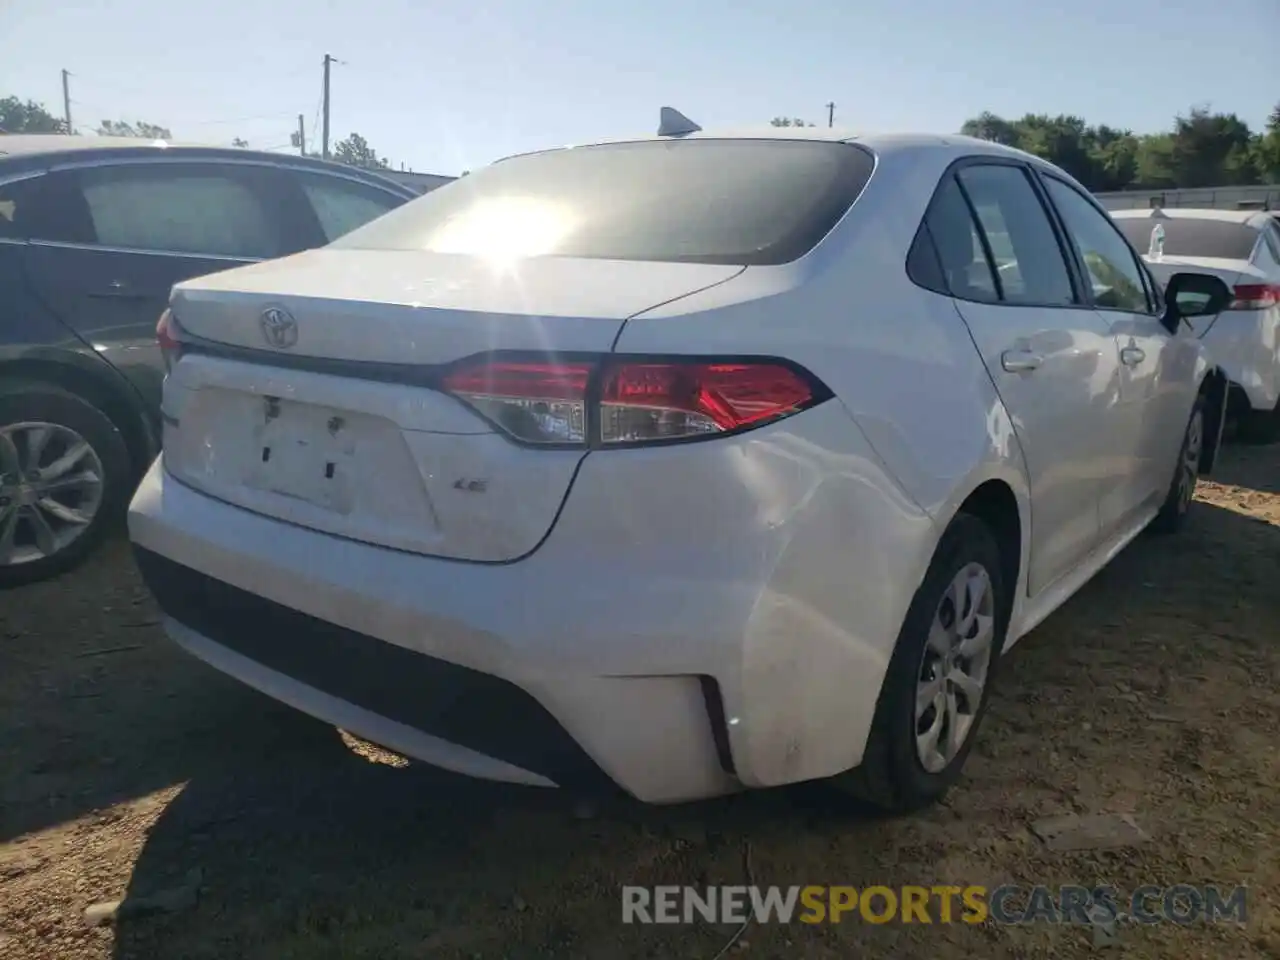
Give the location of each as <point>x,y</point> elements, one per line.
<point>94,232</point>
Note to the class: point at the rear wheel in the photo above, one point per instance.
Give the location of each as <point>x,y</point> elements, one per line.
<point>936,689</point>
<point>64,480</point>
<point>1182,488</point>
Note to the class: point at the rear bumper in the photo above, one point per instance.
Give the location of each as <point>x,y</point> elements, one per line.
<point>1246,345</point>
<point>678,649</point>
<point>261,641</point>
<point>358,658</point>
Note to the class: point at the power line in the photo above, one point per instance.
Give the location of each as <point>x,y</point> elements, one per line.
<point>261,116</point>
<point>98,108</point>
<point>315,117</point>
<point>115,86</point>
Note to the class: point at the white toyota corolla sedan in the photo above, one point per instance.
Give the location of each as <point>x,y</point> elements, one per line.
<point>1243,248</point>
<point>682,464</point>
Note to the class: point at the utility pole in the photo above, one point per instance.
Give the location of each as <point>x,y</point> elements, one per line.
<point>66,100</point>
<point>324,150</point>
<point>831,114</point>
<point>302,137</point>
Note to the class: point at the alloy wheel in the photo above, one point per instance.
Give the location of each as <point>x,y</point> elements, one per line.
<point>51,486</point>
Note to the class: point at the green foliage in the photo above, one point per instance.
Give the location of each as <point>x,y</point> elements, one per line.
<point>356,152</point>
<point>145,131</point>
<point>353,151</point>
<point>1203,149</point>
<point>1266,156</point>
<point>29,117</point>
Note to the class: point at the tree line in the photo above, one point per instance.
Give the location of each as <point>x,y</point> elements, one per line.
<point>18,116</point>
<point>1203,149</point>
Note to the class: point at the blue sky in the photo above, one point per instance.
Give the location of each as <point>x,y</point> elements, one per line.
<point>446,86</point>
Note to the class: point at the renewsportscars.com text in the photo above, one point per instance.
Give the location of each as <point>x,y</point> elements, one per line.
<point>1006,904</point>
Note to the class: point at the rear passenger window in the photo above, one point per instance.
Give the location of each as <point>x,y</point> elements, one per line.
<point>1030,268</point>
<point>342,205</point>
<point>923,266</point>
<point>179,210</point>
<point>964,262</point>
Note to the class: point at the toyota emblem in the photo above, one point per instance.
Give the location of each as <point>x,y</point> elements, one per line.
<point>279,328</point>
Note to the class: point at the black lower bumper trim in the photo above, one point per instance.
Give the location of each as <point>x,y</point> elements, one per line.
<point>463,706</point>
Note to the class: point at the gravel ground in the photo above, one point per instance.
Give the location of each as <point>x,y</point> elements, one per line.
<point>128,769</point>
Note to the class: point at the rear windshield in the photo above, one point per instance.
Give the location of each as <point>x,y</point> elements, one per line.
<point>749,202</point>
<point>1185,237</point>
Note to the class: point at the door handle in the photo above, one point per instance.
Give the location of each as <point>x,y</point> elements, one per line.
<point>1132,356</point>
<point>1020,361</point>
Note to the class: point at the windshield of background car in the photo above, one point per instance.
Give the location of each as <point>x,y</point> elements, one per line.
<point>1185,237</point>
<point>749,202</point>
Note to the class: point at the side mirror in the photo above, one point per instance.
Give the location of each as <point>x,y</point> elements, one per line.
<point>1194,295</point>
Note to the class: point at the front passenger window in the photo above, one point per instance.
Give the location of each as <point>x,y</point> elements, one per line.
<point>1112,265</point>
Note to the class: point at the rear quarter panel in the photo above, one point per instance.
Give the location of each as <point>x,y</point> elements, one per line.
<point>914,396</point>
<point>898,357</point>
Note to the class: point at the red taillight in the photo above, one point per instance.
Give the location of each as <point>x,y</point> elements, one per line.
<point>1255,296</point>
<point>630,401</point>
<point>534,402</point>
<point>167,338</point>
<point>665,401</point>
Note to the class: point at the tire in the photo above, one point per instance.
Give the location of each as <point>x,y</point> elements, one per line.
<point>893,776</point>
<point>1259,426</point>
<point>1182,487</point>
<point>32,409</point>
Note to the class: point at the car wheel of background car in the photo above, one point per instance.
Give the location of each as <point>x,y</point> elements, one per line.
<point>1259,426</point>
<point>64,480</point>
<point>1182,489</point>
<point>936,689</point>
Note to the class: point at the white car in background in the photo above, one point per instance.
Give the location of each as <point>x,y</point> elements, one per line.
<point>1243,248</point>
<point>684,464</point>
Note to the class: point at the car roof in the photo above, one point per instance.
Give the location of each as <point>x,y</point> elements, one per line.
<point>26,144</point>
<point>41,150</point>
<point>1245,217</point>
<point>880,143</point>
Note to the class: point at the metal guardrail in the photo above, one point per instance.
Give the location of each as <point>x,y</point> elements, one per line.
<point>1218,198</point>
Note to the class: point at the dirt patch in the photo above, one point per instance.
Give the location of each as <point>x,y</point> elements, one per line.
<point>127,768</point>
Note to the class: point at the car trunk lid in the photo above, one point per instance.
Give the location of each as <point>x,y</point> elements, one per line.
<point>412,307</point>
<point>339,425</point>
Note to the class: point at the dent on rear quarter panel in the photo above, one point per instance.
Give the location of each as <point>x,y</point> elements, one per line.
<point>823,629</point>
